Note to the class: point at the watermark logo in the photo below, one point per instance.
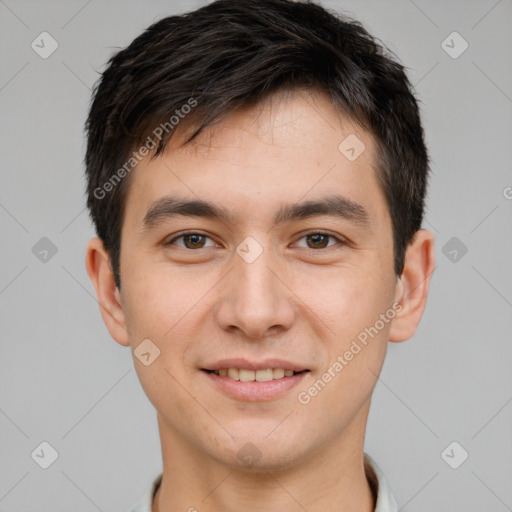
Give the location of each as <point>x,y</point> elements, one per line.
<point>351,147</point>
<point>249,455</point>
<point>454,45</point>
<point>454,249</point>
<point>44,250</point>
<point>147,352</point>
<point>454,455</point>
<point>44,45</point>
<point>249,249</point>
<point>44,455</point>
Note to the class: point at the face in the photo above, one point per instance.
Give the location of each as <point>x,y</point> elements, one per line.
<point>283,269</point>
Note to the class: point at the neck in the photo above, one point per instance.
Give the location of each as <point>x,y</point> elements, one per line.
<point>331,479</point>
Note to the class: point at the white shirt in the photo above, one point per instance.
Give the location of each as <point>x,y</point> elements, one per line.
<point>385,500</point>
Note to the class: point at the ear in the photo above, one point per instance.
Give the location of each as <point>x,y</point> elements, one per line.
<point>97,263</point>
<point>413,285</point>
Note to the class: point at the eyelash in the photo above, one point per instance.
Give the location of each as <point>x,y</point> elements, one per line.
<point>323,233</point>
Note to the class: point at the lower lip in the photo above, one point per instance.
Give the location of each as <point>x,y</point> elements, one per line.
<point>255,391</point>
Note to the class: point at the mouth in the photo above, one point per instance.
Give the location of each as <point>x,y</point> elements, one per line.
<point>248,375</point>
<point>243,380</point>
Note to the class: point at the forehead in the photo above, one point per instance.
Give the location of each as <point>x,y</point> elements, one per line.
<point>295,145</point>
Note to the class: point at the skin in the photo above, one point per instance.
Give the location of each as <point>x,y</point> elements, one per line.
<point>297,301</point>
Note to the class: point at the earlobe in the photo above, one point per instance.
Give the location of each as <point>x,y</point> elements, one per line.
<point>97,263</point>
<point>413,285</point>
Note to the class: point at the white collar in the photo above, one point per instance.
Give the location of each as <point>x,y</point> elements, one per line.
<point>385,500</point>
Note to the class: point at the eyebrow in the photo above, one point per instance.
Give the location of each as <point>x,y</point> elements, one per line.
<point>334,205</point>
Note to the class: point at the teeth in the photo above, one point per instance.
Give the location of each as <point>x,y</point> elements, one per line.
<point>278,373</point>
<point>245,375</point>
<point>264,375</point>
<point>233,373</point>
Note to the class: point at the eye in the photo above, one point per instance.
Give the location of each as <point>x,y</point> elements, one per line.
<point>319,240</point>
<point>191,241</point>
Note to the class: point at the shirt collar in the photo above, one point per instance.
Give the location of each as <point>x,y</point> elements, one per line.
<point>385,500</point>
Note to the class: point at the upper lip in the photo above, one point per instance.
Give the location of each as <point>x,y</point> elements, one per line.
<point>255,365</point>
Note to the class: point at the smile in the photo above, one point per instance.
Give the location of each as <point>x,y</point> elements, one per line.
<point>243,384</point>
<point>247,375</point>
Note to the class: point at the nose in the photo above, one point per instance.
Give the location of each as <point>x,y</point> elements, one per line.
<point>255,299</point>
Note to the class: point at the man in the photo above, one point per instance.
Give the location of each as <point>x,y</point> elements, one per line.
<point>256,176</point>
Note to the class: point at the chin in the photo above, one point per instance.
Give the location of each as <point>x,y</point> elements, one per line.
<point>262,452</point>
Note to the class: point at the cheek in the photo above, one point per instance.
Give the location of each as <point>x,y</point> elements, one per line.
<point>346,382</point>
<point>171,312</point>
<point>344,298</point>
<point>349,305</point>
<point>161,313</point>
<point>157,304</point>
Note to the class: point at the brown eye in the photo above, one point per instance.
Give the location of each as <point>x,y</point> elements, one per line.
<point>318,240</point>
<point>191,241</point>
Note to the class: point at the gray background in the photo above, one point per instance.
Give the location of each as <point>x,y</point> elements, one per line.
<point>65,381</point>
